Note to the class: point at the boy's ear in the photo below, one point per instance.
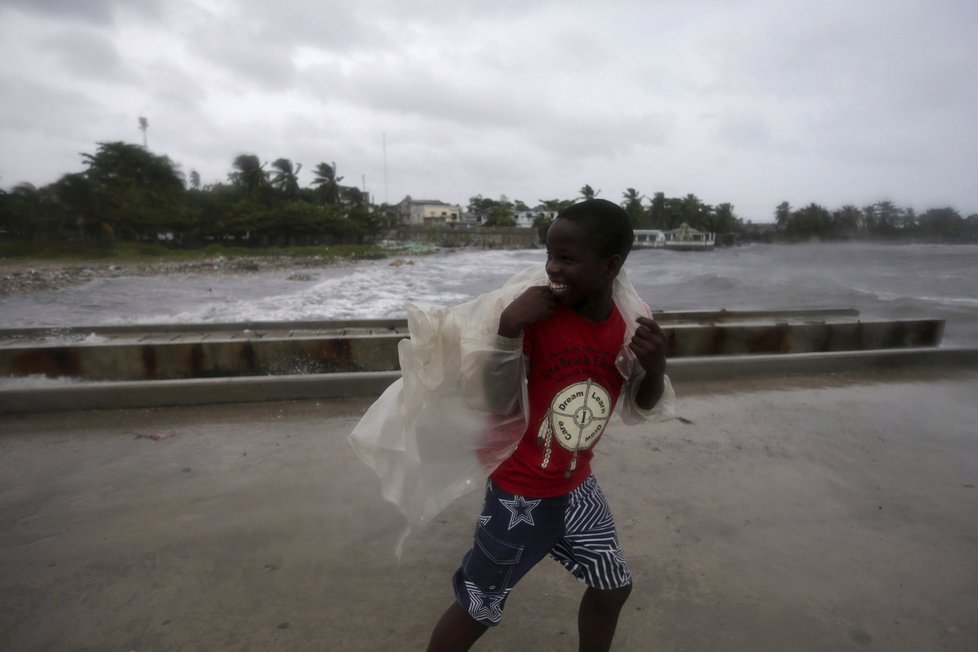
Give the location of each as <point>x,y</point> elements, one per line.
<point>613,266</point>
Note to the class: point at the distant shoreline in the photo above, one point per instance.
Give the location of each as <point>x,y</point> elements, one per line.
<point>24,276</point>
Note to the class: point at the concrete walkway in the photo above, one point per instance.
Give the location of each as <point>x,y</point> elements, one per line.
<point>830,513</point>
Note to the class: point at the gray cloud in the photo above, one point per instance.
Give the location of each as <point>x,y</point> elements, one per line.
<point>93,11</point>
<point>30,105</point>
<point>87,55</point>
<point>751,102</point>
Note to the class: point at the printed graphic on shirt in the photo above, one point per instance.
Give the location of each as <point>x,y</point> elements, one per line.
<point>576,418</point>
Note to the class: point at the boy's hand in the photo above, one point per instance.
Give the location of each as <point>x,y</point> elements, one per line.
<point>649,346</point>
<point>536,304</point>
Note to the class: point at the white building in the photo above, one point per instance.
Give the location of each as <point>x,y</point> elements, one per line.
<point>525,219</point>
<point>686,238</point>
<point>427,212</point>
<point>649,238</point>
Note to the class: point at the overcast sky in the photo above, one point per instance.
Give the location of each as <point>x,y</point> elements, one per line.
<point>751,103</point>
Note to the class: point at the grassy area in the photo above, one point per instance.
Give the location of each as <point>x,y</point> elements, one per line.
<point>137,252</point>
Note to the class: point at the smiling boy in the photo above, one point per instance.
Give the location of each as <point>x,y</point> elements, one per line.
<point>543,500</point>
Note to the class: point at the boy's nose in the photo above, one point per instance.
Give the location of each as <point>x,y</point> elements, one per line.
<point>552,267</point>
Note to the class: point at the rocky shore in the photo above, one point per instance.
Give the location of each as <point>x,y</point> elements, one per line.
<point>25,276</point>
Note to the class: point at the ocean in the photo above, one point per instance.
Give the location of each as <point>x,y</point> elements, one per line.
<point>880,280</point>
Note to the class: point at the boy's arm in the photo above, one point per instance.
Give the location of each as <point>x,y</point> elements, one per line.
<point>649,346</point>
<point>536,304</point>
<point>650,390</point>
<point>492,372</point>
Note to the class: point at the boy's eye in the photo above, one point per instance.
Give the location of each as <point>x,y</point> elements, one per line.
<point>564,258</point>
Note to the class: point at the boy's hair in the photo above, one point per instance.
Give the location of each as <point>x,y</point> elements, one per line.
<point>607,222</point>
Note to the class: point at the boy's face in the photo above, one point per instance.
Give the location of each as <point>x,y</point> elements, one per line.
<point>578,274</point>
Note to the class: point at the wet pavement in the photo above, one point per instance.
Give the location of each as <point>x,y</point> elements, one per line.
<point>826,513</point>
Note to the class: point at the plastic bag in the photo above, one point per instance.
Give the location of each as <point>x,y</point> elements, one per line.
<point>439,431</point>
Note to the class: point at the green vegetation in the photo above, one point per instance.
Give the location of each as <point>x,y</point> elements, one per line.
<point>129,195</point>
<point>129,203</point>
<point>882,220</point>
<point>663,212</point>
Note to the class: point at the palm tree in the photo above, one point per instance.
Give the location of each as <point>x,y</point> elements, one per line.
<point>556,205</point>
<point>724,219</point>
<point>135,193</point>
<point>888,216</point>
<point>845,221</point>
<point>909,219</point>
<point>782,215</point>
<point>286,178</point>
<point>248,173</point>
<point>324,176</point>
<point>692,209</point>
<point>587,192</point>
<point>633,207</point>
<point>657,211</point>
<point>21,212</point>
<point>27,192</point>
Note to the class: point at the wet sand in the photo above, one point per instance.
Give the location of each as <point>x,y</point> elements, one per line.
<point>834,513</point>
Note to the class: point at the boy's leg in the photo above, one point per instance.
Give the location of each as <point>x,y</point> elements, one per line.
<point>513,533</point>
<point>455,631</point>
<point>597,617</point>
<point>591,551</point>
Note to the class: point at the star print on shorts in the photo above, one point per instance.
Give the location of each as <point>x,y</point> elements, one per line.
<point>520,510</point>
<point>484,606</point>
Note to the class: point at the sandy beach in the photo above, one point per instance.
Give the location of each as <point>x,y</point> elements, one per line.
<point>830,513</point>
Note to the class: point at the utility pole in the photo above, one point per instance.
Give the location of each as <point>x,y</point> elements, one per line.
<point>143,126</point>
<point>385,165</point>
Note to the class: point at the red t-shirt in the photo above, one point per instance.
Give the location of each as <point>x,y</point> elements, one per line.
<point>573,386</point>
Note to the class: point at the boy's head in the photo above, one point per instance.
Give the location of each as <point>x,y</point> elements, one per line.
<point>586,246</point>
<point>606,223</point>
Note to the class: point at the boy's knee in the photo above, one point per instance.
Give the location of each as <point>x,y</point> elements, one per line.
<point>612,599</point>
<point>621,594</point>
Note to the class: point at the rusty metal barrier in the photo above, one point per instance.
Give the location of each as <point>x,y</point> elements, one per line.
<point>294,351</point>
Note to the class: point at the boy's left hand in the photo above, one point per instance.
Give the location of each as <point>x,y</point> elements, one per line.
<point>649,345</point>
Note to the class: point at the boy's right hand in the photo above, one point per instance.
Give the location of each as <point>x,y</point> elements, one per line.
<point>536,304</point>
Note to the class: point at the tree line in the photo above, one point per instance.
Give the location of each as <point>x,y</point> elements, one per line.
<point>658,212</point>
<point>128,193</point>
<point>881,220</point>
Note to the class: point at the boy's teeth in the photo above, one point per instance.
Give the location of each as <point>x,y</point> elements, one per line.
<point>557,287</point>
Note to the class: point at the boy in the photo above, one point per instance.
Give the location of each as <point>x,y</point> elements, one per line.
<point>543,499</point>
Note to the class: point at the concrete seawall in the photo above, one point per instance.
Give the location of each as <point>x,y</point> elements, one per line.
<point>171,355</point>
<point>251,389</point>
<point>190,364</point>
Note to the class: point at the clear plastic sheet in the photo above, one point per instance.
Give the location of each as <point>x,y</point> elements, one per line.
<point>459,408</point>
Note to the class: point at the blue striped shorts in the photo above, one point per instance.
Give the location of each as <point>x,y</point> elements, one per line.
<point>513,533</point>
